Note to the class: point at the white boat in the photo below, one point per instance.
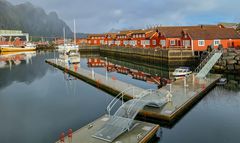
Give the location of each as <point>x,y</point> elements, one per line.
<point>70,57</point>
<point>222,81</point>
<point>65,46</point>
<point>181,72</point>
<point>30,45</point>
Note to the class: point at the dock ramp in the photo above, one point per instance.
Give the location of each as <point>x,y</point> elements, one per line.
<point>206,65</point>
<point>122,120</point>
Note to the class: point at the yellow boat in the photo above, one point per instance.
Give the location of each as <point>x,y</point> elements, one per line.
<point>9,48</point>
<point>15,49</point>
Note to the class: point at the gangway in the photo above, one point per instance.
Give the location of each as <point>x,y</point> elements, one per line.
<point>123,119</point>
<point>206,65</point>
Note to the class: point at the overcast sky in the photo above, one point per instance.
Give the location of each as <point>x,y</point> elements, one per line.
<point>96,16</point>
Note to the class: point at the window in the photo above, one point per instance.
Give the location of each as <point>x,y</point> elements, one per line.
<point>95,41</point>
<point>134,36</point>
<point>147,42</point>
<point>163,43</point>
<point>201,43</point>
<point>137,36</point>
<point>133,42</point>
<point>117,42</point>
<point>154,42</point>
<point>172,42</point>
<point>101,41</point>
<point>186,43</point>
<point>143,35</point>
<point>125,42</point>
<point>217,42</point>
<point>140,35</point>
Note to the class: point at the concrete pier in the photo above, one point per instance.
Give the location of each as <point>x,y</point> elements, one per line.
<point>141,133</point>
<point>184,92</point>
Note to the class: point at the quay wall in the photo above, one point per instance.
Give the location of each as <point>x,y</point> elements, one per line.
<point>156,53</point>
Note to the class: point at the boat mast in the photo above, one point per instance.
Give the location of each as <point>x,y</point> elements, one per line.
<point>74,31</point>
<point>64,35</point>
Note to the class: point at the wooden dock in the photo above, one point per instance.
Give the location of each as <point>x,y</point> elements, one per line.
<point>184,92</point>
<point>141,133</point>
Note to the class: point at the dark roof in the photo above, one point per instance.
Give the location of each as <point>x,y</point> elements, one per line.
<point>176,31</point>
<point>95,35</point>
<point>214,33</point>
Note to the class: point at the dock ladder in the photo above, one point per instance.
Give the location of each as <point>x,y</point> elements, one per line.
<point>206,65</point>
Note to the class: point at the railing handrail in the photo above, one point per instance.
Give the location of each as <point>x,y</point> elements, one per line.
<point>206,59</point>
<point>142,94</point>
<point>117,98</point>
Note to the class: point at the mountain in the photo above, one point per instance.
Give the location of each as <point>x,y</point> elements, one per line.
<point>32,20</point>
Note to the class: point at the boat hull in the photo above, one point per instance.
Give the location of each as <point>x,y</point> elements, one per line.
<point>15,49</point>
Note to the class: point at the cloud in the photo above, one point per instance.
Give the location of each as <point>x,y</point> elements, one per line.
<point>96,16</point>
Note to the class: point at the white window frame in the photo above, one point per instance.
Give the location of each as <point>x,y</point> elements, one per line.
<point>147,42</point>
<point>217,40</point>
<point>163,43</point>
<point>201,42</point>
<point>117,42</point>
<point>125,42</point>
<point>102,42</point>
<point>154,42</point>
<point>172,42</point>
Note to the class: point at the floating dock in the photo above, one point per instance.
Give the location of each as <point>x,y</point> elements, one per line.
<point>185,92</point>
<point>141,133</point>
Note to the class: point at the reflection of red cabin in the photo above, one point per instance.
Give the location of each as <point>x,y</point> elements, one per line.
<point>139,75</point>
<point>95,62</point>
<point>122,70</point>
<point>110,67</point>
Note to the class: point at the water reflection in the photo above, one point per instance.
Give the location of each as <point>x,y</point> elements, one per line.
<point>28,68</point>
<point>9,59</point>
<point>38,102</point>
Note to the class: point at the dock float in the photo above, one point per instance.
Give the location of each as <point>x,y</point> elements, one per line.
<point>184,92</point>
<point>141,133</point>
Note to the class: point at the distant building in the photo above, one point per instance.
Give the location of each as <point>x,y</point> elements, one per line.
<point>12,34</point>
<point>13,37</point>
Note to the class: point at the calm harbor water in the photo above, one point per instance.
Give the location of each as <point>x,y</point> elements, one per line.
<point>38,102</point>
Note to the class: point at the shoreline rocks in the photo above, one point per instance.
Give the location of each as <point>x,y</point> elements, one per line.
<point>229,62</point>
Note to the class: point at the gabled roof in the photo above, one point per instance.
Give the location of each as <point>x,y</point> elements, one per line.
<point>124,32</point>
<point>212,33</point>
<point>95,35</point>
<point>112,35</point>
<point>176,31</point>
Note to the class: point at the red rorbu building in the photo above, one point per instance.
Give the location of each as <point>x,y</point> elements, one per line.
<point>110,39</point>
<point>200,39</point>
<point>144,38</point>
<point>123,37</point>
<point>81,41</point>
<point>95,39</point>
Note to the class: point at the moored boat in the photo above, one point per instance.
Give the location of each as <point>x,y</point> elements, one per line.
<point>11,48</point>
<point>181,72</point>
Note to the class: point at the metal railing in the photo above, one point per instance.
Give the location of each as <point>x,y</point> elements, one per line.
<point>120,96</point>
<point>201,65</point>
